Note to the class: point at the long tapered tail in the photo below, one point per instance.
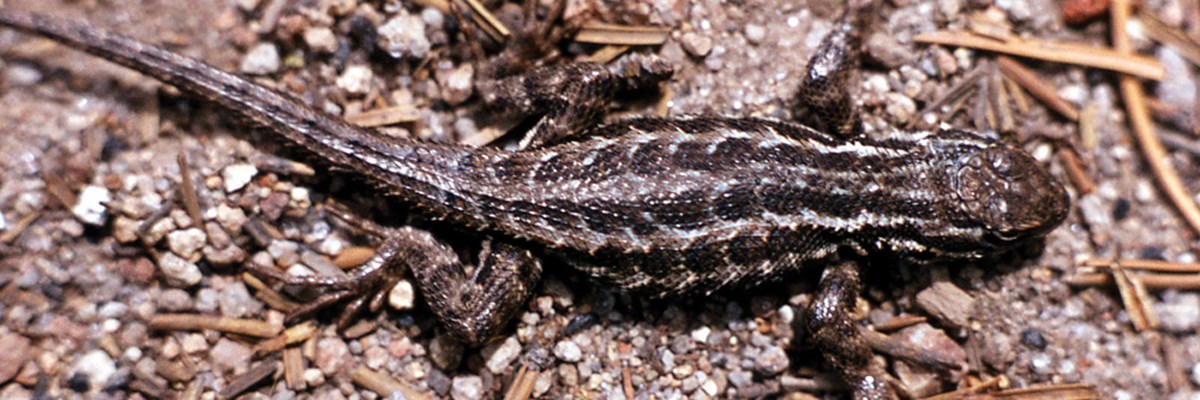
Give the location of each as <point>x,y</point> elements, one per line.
<point>407,168</point>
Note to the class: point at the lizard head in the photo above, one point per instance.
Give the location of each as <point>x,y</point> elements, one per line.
<point>1008,194</point>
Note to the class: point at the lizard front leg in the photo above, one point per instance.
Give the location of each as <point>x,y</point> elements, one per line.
<point>472,304</point>
<point>834,332</point>
<point>825,100</point>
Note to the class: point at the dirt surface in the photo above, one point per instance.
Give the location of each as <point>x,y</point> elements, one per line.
<point>79,288</point>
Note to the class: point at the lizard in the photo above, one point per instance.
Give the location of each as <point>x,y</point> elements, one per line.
<point>652,206</point>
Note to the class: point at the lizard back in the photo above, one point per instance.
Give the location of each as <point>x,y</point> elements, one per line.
<point>658,205</point>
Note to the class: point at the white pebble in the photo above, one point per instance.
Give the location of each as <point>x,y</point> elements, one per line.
<point>356,79</point>
<point>92,205</point>
<point>404,36</point>
<point>401,296</point>
<point>236,176</point>
<point>261,60</point>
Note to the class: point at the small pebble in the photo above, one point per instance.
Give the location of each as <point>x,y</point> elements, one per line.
<point>568,351</point>
<point>236,302</point>
<point>771,361</point>
<point>177,271</point>
<point>741,379</point>
<point>185,243</point>
<point>97,367</point>
<point>456,83</point>
<point>696,44</point>
<point>92,205</point>
<point>498,356</point>
<point>1179,312</point>
<point>402,296</point>
<point>404,36</point>
<point>466,388</point>
<point>946,303</point>
<point>236,176</point>
<point>230,356</point>
<point>231,218</point>
<point>332,355</point>
<point>755,33</point>
<point>14,356</point>
<point>320,39</point>
<point>261,60</point>
<point>356,79</point>
<point>174,300</point>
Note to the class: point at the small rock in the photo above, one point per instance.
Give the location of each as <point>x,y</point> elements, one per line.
<point>568,351</point>
<point>771,361</point>
<point>179,272</point>
<point>356,79</point>
<point>755,33</point>
<point>466,388</point>
<point>185,243</point>
<point>923,336</point>
<point>226,256</point>
<point>696,44</point>
<point>900,107</point>
<point>14,356</point>
<point>92,205</point>
<point>741,379</point>
<point>231,218</point>
<point>404,36</point>
<point>376,357</point>
<point>1033,338</point>
<point>97,367</point>
<point>174,300</point>
<point>236,301</point>
<point>332,355</point>
<point>445,352</point>
<point>919,380</point>
<point>499,356</point>
<point>456,83</point>
<point>230,356</point>
<point>946,303</point>
<point>261,60</point>
<point>1179,312</point>
<point>320,39</point>
<point>700,335</point>
<point>206,300</point>
<point>124,229</point>
<point>709,387</point>
<point>236,176</point>
<point>402,296</point>
<point>193,343</point>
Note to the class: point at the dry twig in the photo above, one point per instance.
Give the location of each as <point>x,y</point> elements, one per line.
<point>1143,128</point>
<point>1059,52</point>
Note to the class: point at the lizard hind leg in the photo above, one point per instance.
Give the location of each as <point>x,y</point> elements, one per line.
<point>825,99</point>
<point>472,305</point>
<point>831,328</point>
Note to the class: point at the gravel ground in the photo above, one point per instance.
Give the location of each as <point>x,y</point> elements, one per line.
<point>89,176</point>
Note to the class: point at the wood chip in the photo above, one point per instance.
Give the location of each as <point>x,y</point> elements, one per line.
<point>1144,265</point>
<point>187,191</point>
<point>1148,280</point>
<point>1050,392</point>
<point>403,113</point>
<point>1037,87</point>
<point>195,322</point>
<point>293,368</point>
<point>244,382</point>
<point>1076,172</point>
<point>623,35</point>
<point>1133,296</point>
<point>1060,52</point>
<point>488,21</point>
<point>383,385</point>
<point>352,257</point>
<point>522,385</point>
